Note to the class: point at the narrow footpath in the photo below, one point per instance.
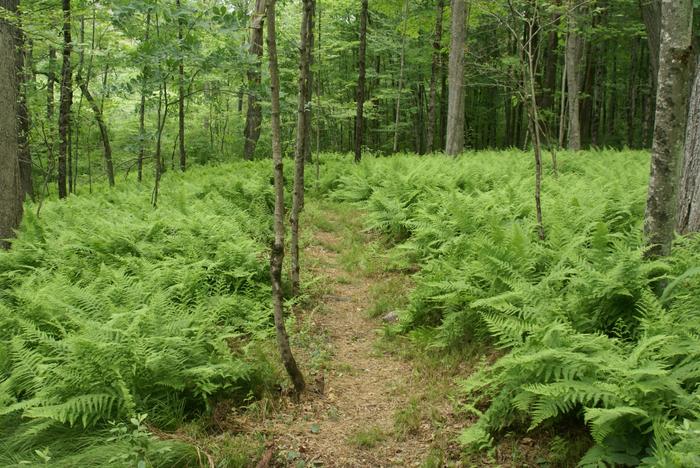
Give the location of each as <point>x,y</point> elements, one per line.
<point>370,405</point>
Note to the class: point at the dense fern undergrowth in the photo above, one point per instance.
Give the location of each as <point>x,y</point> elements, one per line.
<point>117,319</point>
<point>586,338</point>
<point>121,324</point>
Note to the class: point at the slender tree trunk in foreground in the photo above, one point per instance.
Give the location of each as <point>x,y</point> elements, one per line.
<point>361,82</point>
<point>688,217</point>
<point>434,72</point>
<point>669,129</point>
<point>455,105</point>
<point>254,115</point>
<point>529,77</point>
<point>303,147</point>
<point>277,254</point>
<point>64,117</point>
<point>10,185</point>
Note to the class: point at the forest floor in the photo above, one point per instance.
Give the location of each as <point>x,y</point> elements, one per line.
<point>372,402</point>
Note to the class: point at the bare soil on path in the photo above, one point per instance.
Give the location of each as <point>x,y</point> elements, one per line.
<point>368,406</point>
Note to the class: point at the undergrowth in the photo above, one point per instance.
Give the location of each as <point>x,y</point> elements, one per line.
<point>584,336</point>
<point>119,321</point>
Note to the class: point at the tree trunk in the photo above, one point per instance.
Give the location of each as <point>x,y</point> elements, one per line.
<point>181,87</point>
<point>550,65</point>
<point>142,106</point>
<point>50,80</point>
<point>632,85</point>
<point>254,114</point>
<point>25,156</point>
<point>277,254</point>
<point>562,106</point>
<point>573,55</point>
<point>434,72</point>
<point>669,129</point>
<point>688,218</point>
<point>420,118</point>
<point>104,133</point>
<point>10,184</point>
<point>651,15</point>
<point>455,104</point>
<point>402,62</point>
<point>361,82</point>
<point>303,146</point>
<point>64,117</point>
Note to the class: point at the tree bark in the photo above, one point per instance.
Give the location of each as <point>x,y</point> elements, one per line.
<point>66,101</point>
<point>688,218</point>
<point>277,254</point>
<point>10,184</point>
<point>455,104</point>
<point>434,72</point>
<point>573,55</point>
<point>181,87</point>
<point>254,114</point>
<point>303,146</point>
<point>359,116</point>
<point>669,129</point>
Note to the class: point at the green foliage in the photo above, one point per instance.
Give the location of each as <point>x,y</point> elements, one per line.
<point>584,336</point>
<point>110,309</point>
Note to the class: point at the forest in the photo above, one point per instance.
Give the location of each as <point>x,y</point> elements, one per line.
<point>349,233</point>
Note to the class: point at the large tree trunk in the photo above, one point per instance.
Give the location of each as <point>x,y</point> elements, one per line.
<point>64,117</point>
<point>688,217</point>
<point>10,185</point>
<point>434,72</point>
<point>277,254</point>
<point>455,103</point>
<point>181,87</point>
<point>669,129</point>
<point>303,146</point>
<point>359,115</point>
<point>254,115</point>
<point>574,47</point>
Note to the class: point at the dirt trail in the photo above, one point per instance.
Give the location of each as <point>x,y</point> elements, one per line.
<point>353,422</point>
